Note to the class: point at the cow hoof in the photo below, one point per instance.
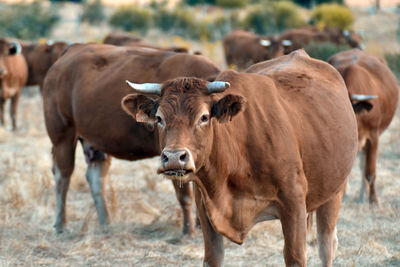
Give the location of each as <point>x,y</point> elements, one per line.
<point>59,228</point>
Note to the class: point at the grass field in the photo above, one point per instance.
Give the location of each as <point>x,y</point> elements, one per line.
<point>145,225</point>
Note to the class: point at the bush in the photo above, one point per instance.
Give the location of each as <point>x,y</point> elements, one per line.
<point>309,3</point>
<point>27,21</point>
<point>393,61</point>
<point>332,15</point>
<point>324,50</point>
<point>93,12</point>
<point>223,24</point>
<point>131,18</point>
<point>273,18</point>
<point>287,15</point>
<point>231,3</point>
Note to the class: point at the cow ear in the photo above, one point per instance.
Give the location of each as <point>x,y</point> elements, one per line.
<point>227,107</point>
<point>140,107</point>
<point>362,105</point>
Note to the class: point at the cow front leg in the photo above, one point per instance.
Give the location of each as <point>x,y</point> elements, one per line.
<point>293,217</point>
<point>327,216</point>
<point>13,111</point>
<point>184,195</point>
<point>96,174</point>
<point>213,242</point>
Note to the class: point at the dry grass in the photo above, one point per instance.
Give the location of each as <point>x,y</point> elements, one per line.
<point>146,219</point>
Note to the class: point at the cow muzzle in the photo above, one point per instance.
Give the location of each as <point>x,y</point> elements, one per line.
<point>176,164</point>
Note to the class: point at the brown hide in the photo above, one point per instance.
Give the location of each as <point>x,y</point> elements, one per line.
<point>303,36</point>
<point>40,57</point>
<point>243,49</point>
<point>287,153</point>
<point>369,75</point>
<point>120,38</point>
<point>85,87</point>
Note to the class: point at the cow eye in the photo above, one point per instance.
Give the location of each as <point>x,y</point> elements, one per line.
<point>204,118</point>
<point>159,120</point>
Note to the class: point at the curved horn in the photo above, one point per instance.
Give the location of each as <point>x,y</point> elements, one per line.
<point>265,42</point>
<point>287,42</point>
<point>362,97</point>
<point>18,47</point>
<point>149,88</point>
<point>217,86</point>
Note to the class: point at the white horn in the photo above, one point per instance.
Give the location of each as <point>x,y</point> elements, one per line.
<point>150,88</point>
<point>17,45</point>
<point>362,97</point>
<point>217,86</point>
<point>265,42</point>
<point>286,43</point>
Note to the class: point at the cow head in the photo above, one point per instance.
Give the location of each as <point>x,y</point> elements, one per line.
<point>186,111</point>
<point>271,46</point>
<point>7,48</point>
<point>362,102</point>
<point>353,39</point>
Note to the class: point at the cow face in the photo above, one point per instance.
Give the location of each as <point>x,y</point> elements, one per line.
<point>7,48</point>
<point>186,114</point>
<point>272,47</point>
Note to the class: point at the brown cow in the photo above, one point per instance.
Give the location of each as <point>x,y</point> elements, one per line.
<point>125,39</point>
<point>120,38</point>
<point>243,48</point>
<point>279,143</point>
<point>13,76</point>
<point>39,58</point>
<point>365,74</point>
<point>294,39</point>
<point>82,99</point>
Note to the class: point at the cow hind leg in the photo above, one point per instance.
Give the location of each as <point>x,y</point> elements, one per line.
<point>369,170</point>
<point>185,197</point>
<point>2,111</point>
<point>327,216</point>
<point>13,111</point>
<point>63,166</point>
<point>96,174</point>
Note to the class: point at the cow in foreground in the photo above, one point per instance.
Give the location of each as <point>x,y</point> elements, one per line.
<point>82,100</point>
<point>243,49</point>
<point>275,142</point>
<point>374,93</point>
<point>13,76</point>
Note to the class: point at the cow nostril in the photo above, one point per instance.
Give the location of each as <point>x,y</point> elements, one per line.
<point>164,158</point>
<point>183,157</point>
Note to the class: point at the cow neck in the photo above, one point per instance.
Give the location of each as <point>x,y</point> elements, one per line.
<point>231,212</point>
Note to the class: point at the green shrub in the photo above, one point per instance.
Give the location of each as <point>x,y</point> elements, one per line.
<point>287,15</point>
<point>224,24</point>
<point>231,3</point>
<point>324,50</point>
<point>27,21</point>
<point>332,15</point>
<point>260,20</point>
<point>93,12</point>
<point>131,18</point>
<point>393,61</point>
<point>272,18</point>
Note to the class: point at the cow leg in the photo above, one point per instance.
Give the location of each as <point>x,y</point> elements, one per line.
<point>369,173</point>
<point>96,173</point>
<point>2,111</point>
<point>213,242</point>
<point>185,197</point>
<point>63,166</point>
<point>13,111</point>
<point>327,216</point>
<point>294,226</point>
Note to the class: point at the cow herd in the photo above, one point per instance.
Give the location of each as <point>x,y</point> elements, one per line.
<point>275,140</point>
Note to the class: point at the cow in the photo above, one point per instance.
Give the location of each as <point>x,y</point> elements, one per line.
<point>39,58</point>
<point>81,96</point>
<point>125,39</point>
<point>243,48</point>
<point>13,76</point>
<point>294,39</point>
<point>120,38</point>
<point>275,142</point>
<point>368,75</point>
